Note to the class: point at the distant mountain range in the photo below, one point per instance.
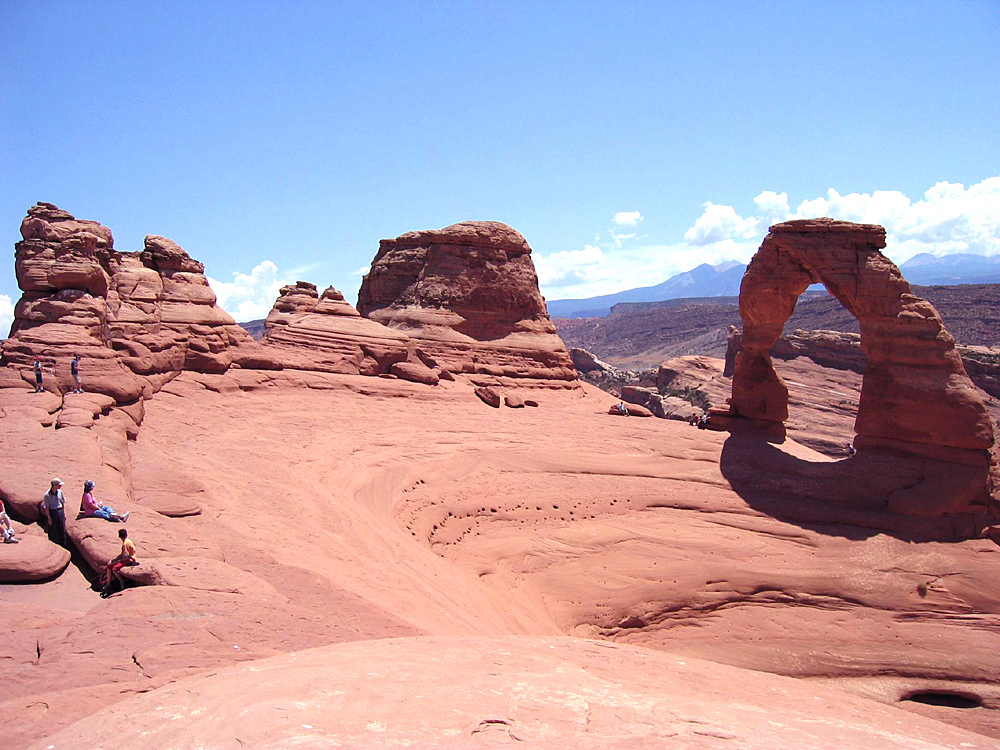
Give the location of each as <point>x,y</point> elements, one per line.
<point>723,280</point>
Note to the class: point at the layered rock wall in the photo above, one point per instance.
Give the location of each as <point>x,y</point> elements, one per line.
<point>468,296</point>
<point>309,331</point>
<point>134,319</point>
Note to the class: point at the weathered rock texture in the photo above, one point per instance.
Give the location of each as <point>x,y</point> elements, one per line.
<point>459,693</point>
<point>916,399</point>
<point>842,351</point>
<point>468,294</point>
<point>308,331</point>
<point>135,319</point>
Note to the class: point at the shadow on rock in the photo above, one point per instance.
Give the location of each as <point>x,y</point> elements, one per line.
<point>853,497</point>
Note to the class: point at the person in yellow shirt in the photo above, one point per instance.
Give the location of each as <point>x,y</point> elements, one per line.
<point>111,570</point>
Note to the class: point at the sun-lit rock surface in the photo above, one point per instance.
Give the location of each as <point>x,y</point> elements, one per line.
<point>919,417</point>
<point>495,692</point>
<point>307,514</point>
<point>468,295</point>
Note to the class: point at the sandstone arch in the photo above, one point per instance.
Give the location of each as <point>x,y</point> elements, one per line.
<point>916,399</point>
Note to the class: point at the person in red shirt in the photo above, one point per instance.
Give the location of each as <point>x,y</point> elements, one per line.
<point>111,570</point>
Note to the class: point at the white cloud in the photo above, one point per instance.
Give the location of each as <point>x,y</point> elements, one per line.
<point>249,296</point>
<point>719,223</point>
<point>771,205</point>
<point>949,218</point>
<point>628,218</point>
<point>6,315</point>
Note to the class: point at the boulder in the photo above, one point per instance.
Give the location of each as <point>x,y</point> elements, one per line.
<point>634,410</point>
<point>514,400</point>
<point>633,394</point>
<point>489,396</point>
<point>584,361</point>
<point>415,372</point>
<point>34,558</point>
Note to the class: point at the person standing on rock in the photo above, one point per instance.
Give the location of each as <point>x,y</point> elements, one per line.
<point>54,506</point>
<point>8,530</point>
<point>91,507</point>
<point>38,375</point>
<point>111,570</point>
<point>74,367</point>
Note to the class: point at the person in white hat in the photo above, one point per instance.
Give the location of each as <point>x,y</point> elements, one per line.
<point>54,507</point>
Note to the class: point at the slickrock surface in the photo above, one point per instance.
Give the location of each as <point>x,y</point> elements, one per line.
<point>497,692</point>
<point>919,414</point>
<point>468,294</point>
<point>307,513</point>
<point>548,521</point>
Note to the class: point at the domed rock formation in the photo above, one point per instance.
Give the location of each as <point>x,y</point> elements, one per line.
<point>917,407</point>
<point>469,295</point>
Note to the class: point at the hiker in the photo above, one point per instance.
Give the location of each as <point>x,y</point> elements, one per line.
<point>38,374</point>
<point>90,507</point>
<point>74,368</point>
<point>703,422</point>
<point>622,409</point>
<point>850,450</point>
<point>115,564</point>
<point>53,505</point>
<point>8,530</point>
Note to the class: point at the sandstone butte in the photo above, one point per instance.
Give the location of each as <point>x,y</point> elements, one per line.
<point>341,544</point>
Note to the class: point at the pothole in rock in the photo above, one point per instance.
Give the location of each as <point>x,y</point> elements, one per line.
<point>944,698</point>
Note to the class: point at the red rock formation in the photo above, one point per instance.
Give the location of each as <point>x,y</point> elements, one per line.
<point>916,398</point>
<point>324,333</point>
<point>468,294</point>
<point>135,319</point>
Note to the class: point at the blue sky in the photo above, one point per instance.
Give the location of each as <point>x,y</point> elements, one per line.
<point>278,142</point>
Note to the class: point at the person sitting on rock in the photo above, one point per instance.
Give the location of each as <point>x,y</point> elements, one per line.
<point>622,409</point>
<point>38,374</point>
<point>112,570</point>
<point>8,530</point>
<point>90,507</point>
<point>850,450</point>
<point>53,506</point>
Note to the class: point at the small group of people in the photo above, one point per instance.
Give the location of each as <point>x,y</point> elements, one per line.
<point>74,368</point>
<point>54,510</point>
<point>699,421</point>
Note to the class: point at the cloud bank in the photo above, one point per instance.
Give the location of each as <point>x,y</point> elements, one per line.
<point>948,218</point>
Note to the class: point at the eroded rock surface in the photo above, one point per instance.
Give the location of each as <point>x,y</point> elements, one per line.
<point>472,692</point>
<point>468,294</point>
<point>917,401</point>
<point>134,319</point>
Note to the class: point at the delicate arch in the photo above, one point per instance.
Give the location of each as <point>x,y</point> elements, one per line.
<point>915,393</point>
